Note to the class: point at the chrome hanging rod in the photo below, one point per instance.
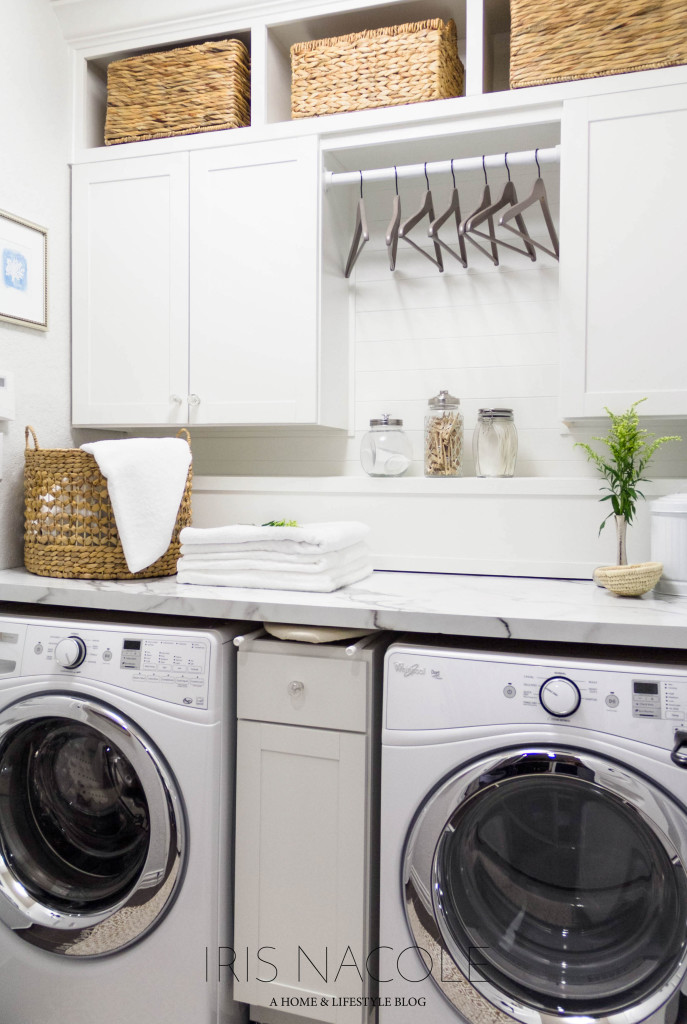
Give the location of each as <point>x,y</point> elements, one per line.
<point>492,162</point>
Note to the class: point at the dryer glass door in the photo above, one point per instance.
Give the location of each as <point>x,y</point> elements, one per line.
<point>559,883</point>
<point>87,826</point>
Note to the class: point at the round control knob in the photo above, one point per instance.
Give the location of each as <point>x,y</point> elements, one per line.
<point>560,696</point>
<point>70,652</point>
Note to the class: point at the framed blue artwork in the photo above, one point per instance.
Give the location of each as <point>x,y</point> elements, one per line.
<point>23,272</point>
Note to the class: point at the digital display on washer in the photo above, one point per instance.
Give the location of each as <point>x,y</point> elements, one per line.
<point>646,687</point>
<point>131,654</point>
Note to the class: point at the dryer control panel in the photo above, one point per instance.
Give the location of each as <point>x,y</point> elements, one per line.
<point>167,666</point>
<point>437,689</point>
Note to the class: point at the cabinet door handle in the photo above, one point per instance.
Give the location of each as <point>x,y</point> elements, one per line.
<point>193,400</point>
<point>176,399</point>
<point>296,687</point>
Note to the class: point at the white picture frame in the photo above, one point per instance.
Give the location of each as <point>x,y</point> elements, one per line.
<point>23,272</point>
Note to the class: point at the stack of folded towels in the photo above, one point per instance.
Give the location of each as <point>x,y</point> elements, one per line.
<point>318,557</point>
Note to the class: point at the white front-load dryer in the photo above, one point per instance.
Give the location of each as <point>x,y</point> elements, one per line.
<point>116,797</point>
<point>533,838</point>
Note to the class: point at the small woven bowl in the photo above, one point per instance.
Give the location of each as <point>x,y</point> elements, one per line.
<point>629,580</point>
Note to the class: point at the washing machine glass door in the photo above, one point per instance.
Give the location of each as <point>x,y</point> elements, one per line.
<point>554,884</point>
<point>91,826</point>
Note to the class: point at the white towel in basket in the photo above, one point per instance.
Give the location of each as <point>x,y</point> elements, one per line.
<point>146,477</point>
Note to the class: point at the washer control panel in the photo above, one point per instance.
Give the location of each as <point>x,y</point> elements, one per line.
<point>169,667</point>
<point>442,689</point>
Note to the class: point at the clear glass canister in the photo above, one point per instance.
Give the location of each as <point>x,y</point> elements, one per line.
<point>495,443</point>
<point>385,449</point>
<point>444,436</point>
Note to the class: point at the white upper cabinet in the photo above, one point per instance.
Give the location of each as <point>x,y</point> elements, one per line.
<point>196,297</point>
<point>254,273</point>
<point>623,230</point>
<point>130,291</point>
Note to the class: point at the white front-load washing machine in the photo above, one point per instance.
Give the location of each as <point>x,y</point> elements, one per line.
<point>116,798</point>
<point>533,837</point>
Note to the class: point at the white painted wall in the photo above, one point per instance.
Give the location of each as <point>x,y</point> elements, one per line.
<point>34,184</point>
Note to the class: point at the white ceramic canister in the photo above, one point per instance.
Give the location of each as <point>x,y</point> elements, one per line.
<point>669,541</point>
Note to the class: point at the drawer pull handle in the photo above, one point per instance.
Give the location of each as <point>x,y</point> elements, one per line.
<point>296,687</point>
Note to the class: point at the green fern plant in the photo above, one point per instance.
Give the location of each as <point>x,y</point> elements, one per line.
<point>630,449</point>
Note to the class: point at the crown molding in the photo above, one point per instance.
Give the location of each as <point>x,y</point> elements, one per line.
<point>95,25</point>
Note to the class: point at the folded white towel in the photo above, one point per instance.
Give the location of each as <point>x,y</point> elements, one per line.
<point>271,561</point>
<point>321,583</point>
<point>312,537</point>
<point>145,477</point>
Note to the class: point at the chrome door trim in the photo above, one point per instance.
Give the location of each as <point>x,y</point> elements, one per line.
<point>84,934</point>
<point>421,893</point>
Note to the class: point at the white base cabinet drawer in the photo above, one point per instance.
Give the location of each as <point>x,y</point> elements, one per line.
<point>316,692</point>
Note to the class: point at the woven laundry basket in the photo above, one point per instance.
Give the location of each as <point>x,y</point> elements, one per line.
<point>201,88</point>
<point>554,41</point>
<point>69,526</point>
<point>381,68</point>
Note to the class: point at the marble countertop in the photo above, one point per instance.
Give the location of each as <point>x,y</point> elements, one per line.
<point>575,611</point>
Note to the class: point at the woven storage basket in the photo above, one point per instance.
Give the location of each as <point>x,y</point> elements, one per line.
<point>629,580</point>
<point>177,92</point>
<point>560,42</point>
<point>69,526</point>
<point>381,68</point>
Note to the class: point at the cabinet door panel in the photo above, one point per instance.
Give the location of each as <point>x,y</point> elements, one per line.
<point>622,232</point>
<point>130,288</point>
<point>254,283</point>
<point>300,867</point>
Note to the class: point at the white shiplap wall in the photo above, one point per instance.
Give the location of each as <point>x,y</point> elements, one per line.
<point>488,334</point>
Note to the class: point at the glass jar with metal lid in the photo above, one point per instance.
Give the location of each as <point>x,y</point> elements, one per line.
<point>444,436</point>
<point>385,449</point>
<point>495,443</point>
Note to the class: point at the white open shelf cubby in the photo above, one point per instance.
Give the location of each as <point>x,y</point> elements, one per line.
<point>483,28</point>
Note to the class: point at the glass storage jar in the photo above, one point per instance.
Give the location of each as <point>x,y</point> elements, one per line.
<point>385,449</point>
<point>444,436</point>
<point>495,443</point>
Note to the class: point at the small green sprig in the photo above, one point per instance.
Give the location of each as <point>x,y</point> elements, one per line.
<point>631,449</point>
<point>280,522</point>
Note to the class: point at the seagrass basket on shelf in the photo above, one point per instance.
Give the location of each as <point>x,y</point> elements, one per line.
<point>629,580</point>
<point>383,67</point>
<point>201,88</point>
<point>69,526</point>
<point>560,42</point>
